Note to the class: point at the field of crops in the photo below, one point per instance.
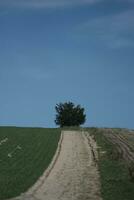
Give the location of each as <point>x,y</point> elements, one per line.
<point>24,155</point>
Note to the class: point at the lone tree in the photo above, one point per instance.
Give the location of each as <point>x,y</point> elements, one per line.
<point>67,114</point>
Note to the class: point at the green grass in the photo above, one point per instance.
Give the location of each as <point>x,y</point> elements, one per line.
<point>19,172</point>
<point>115,179</point>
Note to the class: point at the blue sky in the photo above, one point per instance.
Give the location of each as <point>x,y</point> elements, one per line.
<point>53,51</point>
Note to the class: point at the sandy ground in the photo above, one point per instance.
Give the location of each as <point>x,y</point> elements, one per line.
<point>73,174</point>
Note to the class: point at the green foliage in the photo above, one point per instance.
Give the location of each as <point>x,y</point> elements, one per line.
<point>67,114</point>
<point>26,164</point>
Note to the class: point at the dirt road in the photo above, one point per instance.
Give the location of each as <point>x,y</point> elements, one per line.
<point>73,174</point>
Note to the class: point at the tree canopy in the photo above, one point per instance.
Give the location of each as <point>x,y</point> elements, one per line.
<point>67,114</point>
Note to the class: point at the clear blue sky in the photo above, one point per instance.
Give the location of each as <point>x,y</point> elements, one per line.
<point>53,51</point>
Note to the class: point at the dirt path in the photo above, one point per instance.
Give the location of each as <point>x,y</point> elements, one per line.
<point>73,175</point>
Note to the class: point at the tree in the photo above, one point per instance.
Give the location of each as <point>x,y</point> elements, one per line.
<point>67,114</point>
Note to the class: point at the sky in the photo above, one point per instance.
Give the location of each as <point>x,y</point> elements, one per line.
<point>55,51</point>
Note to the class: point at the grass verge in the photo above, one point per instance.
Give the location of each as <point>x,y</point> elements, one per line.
<point>24,155</point>
<point>115,179</point>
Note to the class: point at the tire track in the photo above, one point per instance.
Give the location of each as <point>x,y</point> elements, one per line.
<point>123,147</point>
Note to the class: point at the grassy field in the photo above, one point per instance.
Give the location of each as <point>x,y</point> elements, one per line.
<point>116,182</point>
<point>24,155</point>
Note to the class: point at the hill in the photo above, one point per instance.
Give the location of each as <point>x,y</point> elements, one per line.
<point>25,153</point>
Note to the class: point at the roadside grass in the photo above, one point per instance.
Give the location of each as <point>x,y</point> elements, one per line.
<point>24,155</point>
<point>115,180</point>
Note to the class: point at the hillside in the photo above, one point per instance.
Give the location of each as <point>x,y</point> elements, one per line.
<point>102,157</point>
